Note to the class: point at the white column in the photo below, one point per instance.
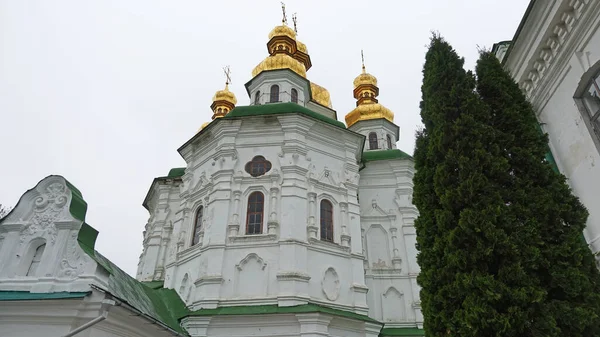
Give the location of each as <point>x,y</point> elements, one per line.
<point>312,228</point>
<point>234,226</point>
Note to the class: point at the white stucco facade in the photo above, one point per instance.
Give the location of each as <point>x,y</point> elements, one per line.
<point>554,56</point>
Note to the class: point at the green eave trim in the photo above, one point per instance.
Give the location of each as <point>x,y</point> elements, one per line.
<point>368,156</point>
<point>176,172</point>
<point>401,332</point>
<point>280,108</point>
<point>27,296</point>
<point>274,309</point>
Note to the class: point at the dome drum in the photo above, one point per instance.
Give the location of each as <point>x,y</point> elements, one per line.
<point>281,44</point>
<point>368,91</point>
<point>303,57</point>
<point>221,108</point>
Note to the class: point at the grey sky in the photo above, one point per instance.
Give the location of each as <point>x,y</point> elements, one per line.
<point>104,92</point>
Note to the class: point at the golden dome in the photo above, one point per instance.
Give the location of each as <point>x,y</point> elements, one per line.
<point>320,95</point>
<point>282,30</point>
<point>225,95</point>
<point>223,102</point>
<point>369,111</point>
<point>365,78</point>
<point>301,47</point>
<point>203,126</point>
<point>280,61</point>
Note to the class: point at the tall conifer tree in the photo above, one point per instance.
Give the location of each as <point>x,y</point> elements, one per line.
<point>474,260</point>
<point>540,200</point>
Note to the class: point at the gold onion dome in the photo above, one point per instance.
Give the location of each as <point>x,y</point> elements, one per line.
<point>301,47</point>
<point>282,30</point>
<point>320,95</point>
<point>280,61</point>
<point>223,102</point>
<point>365,78</point>
<point>367,106</point>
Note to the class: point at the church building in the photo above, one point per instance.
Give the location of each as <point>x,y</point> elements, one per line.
<point>283,222</point>
<point>555,58</point>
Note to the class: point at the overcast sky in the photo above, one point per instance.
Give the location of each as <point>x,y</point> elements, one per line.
<point>104,92</point>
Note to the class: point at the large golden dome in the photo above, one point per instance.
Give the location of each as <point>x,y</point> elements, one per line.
<point>282,30</point>
<point>280,61</point>
<point>369,111</point>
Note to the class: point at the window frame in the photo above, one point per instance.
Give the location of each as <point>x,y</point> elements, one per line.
<point>294,94</point>
<point>326,218</point>
<point>249,202</point>
<point>257,98</point>
<point>389,141</point>
<point>372,137</point>
<point>274,94</point>
<point>197,228</point>
<point>591,118</point>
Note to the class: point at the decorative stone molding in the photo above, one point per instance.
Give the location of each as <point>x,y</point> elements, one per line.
<point>330,284</point>
<point>547,52</point>
<point>253,238</point>
<point>293,276</point>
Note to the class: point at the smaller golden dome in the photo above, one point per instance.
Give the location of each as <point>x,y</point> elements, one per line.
<point>365,78</point>
<point>369,111</point>
<point>320,95</point>
<point>282,30</point>
<point>225,95</point>
<point>301,47</point>
<point>203,126</point>
<point>280,61</point>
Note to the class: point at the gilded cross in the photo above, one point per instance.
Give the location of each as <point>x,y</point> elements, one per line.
<point>284,19</point>
<point>295,20</point>
<point>227,72</point>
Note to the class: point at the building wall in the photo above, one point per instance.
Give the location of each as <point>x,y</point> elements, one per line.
<point>310,161</point>
<point>389,238</point>
<point>59,317</point>
<point>553,57</point>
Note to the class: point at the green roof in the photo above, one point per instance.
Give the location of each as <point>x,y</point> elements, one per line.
<point>176,172</point>
<point>161,304</point>
<point>368,156</point>
<point>401,332</point>
<point>27,296</point>
<point>280,108</point>
<point>275,309</point>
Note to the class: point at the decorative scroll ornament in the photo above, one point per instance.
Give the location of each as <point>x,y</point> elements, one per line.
<point>75,260</point>
<point>46,209</point>
<point>331,284</point>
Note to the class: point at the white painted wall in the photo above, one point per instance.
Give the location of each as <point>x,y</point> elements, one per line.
<point>553,57</point>
<point>389,238</point>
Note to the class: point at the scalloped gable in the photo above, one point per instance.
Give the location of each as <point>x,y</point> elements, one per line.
<point>54,204</point>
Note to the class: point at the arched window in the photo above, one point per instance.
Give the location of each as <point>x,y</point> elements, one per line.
<point>326,220</point>
<point>373,141</point>
<point>37,257</point>
<point>257,98</point>
<point>254,215</point>
<point>294,96</point>
<point>389,141</point>
<point>274,94</point>
<point>197,226</point>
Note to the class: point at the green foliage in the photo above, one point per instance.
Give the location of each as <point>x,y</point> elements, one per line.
<point>492,212</point>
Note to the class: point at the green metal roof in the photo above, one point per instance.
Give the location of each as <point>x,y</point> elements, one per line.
<point>161,304</point>
<point>280,108</point>
<point>275,309</point>
<point>176,172</point>
<point>368,156</point>
<point>27,296</point>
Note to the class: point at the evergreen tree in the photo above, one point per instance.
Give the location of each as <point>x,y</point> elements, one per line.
<point>540,199</point>
<point>474,259</point>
